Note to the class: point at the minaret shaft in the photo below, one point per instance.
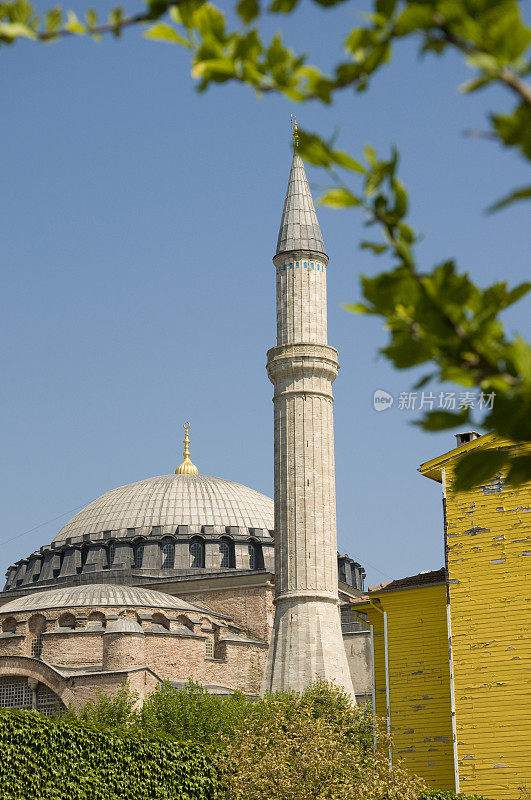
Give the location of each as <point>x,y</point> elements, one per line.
<point>306,641</point>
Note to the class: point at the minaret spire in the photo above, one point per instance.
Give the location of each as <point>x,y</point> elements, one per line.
<point>186,468</point>
<point>306,642</point>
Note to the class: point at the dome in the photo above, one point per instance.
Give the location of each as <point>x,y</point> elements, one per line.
<point>97,595</point>
<point>169,501</point>
<point>123,625</point>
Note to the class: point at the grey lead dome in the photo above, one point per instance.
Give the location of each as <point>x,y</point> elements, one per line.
<point>172,500</point>
<point>98,595</point>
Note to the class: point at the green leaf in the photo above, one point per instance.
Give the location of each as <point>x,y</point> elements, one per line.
<point>339,198</point>
<point>515,129</point>
<point>357,308</point>
<point>376,247</point>
<point>73,24</point>
<point>53,19</point>
<point>346,161</point>
<point>524,193</point>
<point>283,6</point>
<point>248,10</point>
<point>163,32</point>
<point>415,16</point>
<point>440,420</point>
<point>479,467</point>
<point>14,30</point>
<point>519,470</point>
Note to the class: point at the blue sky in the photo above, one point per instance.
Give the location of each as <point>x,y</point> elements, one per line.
<point>138,224</point>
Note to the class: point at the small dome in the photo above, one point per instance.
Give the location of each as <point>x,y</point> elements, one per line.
<point>123,625</point>
<point>97,595</point>
<point>172,500</point>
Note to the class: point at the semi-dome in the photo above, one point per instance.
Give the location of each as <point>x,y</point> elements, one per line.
<point>172,500</point>
<point>97,595</point>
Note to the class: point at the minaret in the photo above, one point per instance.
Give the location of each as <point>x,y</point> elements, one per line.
<point>306,642</point>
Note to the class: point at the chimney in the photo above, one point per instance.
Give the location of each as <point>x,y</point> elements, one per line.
<point>466,437</point>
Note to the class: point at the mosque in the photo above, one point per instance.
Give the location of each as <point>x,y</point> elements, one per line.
<point>188,576</point>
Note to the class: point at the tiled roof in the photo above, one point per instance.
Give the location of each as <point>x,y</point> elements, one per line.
<point>421,579</point>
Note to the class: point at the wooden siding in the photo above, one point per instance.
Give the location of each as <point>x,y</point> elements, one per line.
<point>419,679</point>
<point>489,566</point>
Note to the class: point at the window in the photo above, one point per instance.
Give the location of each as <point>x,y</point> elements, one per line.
<point>9,625</point>
<point>185,622</point>
<point>197,553</point>
<point>209,648</point>
<point>159,624</point>
<point>111,551</point>
<point>168,553</point>
<point>67,621</point>
<point>96,621</point>
<point>256,558</point>
<point>15,693</point>
<point>36,646</point>
<point>138,555</point>
<point>226,548</point>
<point>47,702</point>
<point>37,626</point>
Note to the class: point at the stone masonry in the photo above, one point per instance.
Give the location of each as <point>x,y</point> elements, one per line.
<point>306,642</point>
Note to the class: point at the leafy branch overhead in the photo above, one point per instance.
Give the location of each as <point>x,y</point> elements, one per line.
<point>435,316</point>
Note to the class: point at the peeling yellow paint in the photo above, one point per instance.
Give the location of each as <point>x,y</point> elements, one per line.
<point>419,693</point>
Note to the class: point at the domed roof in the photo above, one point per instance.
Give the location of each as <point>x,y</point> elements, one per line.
<point>172,500</point>
<point>123,625</point>
<point>98,594</point>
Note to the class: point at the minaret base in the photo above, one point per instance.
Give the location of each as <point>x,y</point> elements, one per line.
<point>306,644</point>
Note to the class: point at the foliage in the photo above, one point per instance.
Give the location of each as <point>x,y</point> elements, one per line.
<point>55,759</point>
<point>313,745</point>
<point>446,794</point>
<point>192,713</point>
<point>115,710</point>
<point>435,316</point>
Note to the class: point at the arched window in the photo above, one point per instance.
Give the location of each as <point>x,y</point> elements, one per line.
<point>226,548</point>
<point>67,621</point>
<point>9,625</point>
<point>84,554</point>
<point>168,553</point>
<point>159,623</point>
<point>111,551</point>
<point>183,620</point>
<point>37,626</point>
<point>47,702</point>
<point>138,555</point>
<point>96,620</point>
<point>197,553</point>
<point>256,558</point>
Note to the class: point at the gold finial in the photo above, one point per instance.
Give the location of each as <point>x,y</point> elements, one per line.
<point>294,130</point>
<point>186,468</point>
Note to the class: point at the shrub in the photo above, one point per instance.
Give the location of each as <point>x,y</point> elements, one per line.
<point>57,759</point>
<point>311,746</point>
<point>447,794</point>
<point>192,713</point>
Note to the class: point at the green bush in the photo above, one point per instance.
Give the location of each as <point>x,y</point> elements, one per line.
<point>58,759</point>
<point>311,745</point>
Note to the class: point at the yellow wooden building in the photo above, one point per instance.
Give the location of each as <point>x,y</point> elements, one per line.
<point>412,672</point>
<point>458,655</point>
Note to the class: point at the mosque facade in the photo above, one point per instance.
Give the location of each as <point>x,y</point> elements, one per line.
<point>187,576</point>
